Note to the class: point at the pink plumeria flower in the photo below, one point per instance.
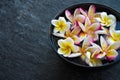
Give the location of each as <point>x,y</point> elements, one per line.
<point>89,29</point>
<point>91,61</point>
<point>106,20</point>
<point>106,50</point>
<point>67,48</point>
<point>91,13</point>
<point>76,17</point>
<point>60,26</point>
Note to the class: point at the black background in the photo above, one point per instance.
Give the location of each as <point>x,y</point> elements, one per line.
<point>25,50</point>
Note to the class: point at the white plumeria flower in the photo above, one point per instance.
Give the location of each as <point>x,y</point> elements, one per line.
<point>60,26</point>
<point>67,48</point>
<point>106,20</point>
<point>91,61</point>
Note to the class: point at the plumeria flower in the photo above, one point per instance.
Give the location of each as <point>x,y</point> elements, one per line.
<point>74,34</point>
<point>76,17</point>
<point>106,20</point>
<point>67,48</point>
<point>91,13</point>
<point>91,61</point>
<point>114,35</point>
<point>106,50</point>
<point>89,29</point>
<point>60,26</point>
<point>87,56</point>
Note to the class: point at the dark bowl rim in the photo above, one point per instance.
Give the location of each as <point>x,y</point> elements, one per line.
<point>73,63</point>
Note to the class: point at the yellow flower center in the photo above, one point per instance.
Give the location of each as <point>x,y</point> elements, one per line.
<point>106,20</point>
<point>61,25</point>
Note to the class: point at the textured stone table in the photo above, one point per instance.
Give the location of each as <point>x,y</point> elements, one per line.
<point>25,51</point>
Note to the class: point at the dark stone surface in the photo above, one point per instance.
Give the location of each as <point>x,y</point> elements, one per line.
<point>25,51</point>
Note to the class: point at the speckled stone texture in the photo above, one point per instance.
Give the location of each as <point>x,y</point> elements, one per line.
<point>25,50</point>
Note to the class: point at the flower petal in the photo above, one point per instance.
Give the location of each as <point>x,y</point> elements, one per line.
<point>62,19</point>
<point>80,18</point>
<point>55,30</point>
<point>95,53</point>
<point>96,62</point>
<point>103,43</point>
<point>61,43</point>
<point>115,46</point>
<point>110,40</point>
<point>77,11</point>
<point>95,45</point>
<point>83,12</point>
<point>82,26</point>
<point>94,26</point>
<point>92,49</point>
<point>69,40</point>
<point>75,48</point>
<point>76,31</point>
<point>112,54</point>
<point>115,34</point>
<point>88,55</point>
<point>112,32</point>
<point>59,35</point>
<point>91,11</point>
<point>69,15</point>
<point>87,22</point>
<point>101,32</point>
<point>54,22</point>
<point>103,15</point>
<point>113,18</point>
<point>72,55</point>
<point>100,55</point>
<point>98,19</point>
<point>64,52</point>
<point>86,42</point>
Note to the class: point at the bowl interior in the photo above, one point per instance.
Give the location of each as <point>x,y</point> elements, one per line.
<point>99,8</point>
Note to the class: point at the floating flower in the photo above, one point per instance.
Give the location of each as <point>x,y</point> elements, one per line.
<point>60,26</point>
<point>89,29</point>
<point>77,17</point>
<point>106,20</point>
<point>67,48</point>
<point>106,50</point>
